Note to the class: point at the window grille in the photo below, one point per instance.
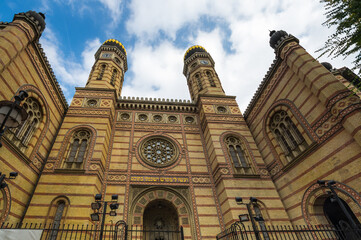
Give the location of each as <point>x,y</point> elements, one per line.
<point>199,82</point>
<point>287,135</point>
<point>210,79</point>
<point>77,149</point>
<point>114,75</point>
<point>101,73</point>
<point>57,220</point>
<point>238,155</point>
<point>27,130</point>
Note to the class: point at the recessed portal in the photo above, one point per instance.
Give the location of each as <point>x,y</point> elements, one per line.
<point>336,216</point>
<point>160,216</point>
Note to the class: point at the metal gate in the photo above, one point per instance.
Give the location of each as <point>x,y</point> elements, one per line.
<point>137,232</point>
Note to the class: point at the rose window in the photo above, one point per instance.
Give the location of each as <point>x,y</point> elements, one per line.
<point>158,152</point>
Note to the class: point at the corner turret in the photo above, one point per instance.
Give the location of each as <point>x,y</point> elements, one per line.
<point>201,76</point>
<point>109,67</point>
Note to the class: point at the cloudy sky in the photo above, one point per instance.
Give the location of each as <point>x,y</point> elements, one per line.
<point>157,33</point>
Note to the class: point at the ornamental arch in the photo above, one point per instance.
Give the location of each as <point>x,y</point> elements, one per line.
<point>297,119</point>
<point>316,196</point>
<point>169,198</point>
<point>36,137</point>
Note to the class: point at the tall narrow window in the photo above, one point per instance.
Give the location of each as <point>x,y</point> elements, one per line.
<point>32,107</point>
<point>199,82</point>
<point>260,221</point>
<point>57,220</point>
<point>114,75</point>
<point>237,155</point>
<point>210,79</point>
<point>77,149</point>
<point>101,73</point>
<point>287,135</point>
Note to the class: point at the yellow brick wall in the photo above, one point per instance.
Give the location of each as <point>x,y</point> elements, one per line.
<point>311,93</point>
<point>24,69</point>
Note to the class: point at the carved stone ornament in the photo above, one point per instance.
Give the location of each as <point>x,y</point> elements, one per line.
<point>124,117</point>
<point>91,102</point>
<point>158,151</point>
<point>189,120</point>
<point>221,109</point>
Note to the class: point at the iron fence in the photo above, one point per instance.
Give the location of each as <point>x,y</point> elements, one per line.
<point>141,233</point>
<point>119,231</point>
<point>239,231</point>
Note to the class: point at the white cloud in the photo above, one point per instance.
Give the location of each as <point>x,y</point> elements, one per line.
<point>70,72</point>
<point>156,72</point>
<point>248,21</point>
<point>114,6</point>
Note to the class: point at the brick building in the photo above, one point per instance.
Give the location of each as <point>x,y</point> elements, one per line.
<point>174,162</point>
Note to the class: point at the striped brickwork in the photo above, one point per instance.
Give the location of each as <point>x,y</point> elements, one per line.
<point>78,185</point>
<point>329,119</point>
<point>216,126</point>
<point>23,67</point>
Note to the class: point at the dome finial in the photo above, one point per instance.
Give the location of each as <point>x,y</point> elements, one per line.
<point>114,42</point>
<point>193,49</point>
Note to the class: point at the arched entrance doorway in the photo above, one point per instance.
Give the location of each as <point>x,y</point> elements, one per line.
<point>160,217</point>
<point>337,216</point>
<point>148,202</point>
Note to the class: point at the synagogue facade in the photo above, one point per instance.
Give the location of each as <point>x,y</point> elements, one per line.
<point>179,163</point>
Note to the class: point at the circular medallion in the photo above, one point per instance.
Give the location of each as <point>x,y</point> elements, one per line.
<point>189,119</point>
<point>142,117</point>
<point>221,109</point>
<point>172,118</point>
<point>158,152</point>
<point>157,118</point>
<point>124,116</point>
<point>92,102</point>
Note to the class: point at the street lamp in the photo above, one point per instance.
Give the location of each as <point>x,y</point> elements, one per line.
<point>11,113</point>
<point>335,198</point>
<point>3,184</point>
<point>252,200</point>
<point>114,205</point>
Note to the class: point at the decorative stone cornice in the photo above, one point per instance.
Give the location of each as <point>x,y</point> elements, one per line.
<point>158,104</point>
<point>262,86</point>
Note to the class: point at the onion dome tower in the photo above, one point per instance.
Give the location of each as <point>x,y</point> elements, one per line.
<point>109,67</point>
<point>201,76</point>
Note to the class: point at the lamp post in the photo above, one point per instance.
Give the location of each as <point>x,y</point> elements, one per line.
<point>3,184</point>
<point>11,113</point>
<point>330,185</point>
<point>98,204</point>
<point>252,200</point>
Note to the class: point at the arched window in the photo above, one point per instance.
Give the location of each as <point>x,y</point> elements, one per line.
<point>114,75</point>
<point>77,150</point>
<point>57,220</point>
<point>32,107</point>
<point>238,156</point>
<point>210,79</point>
<point>260,220</point>
<point>101,73</point>
<point>199,82</point>
<point>287,135</point>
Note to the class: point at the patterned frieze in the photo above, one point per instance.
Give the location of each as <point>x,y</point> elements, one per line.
<point>159,127</point>
<point>157,179</point>
<point>88,112</point>
<point>92,94</point>
<point>224,119</point>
